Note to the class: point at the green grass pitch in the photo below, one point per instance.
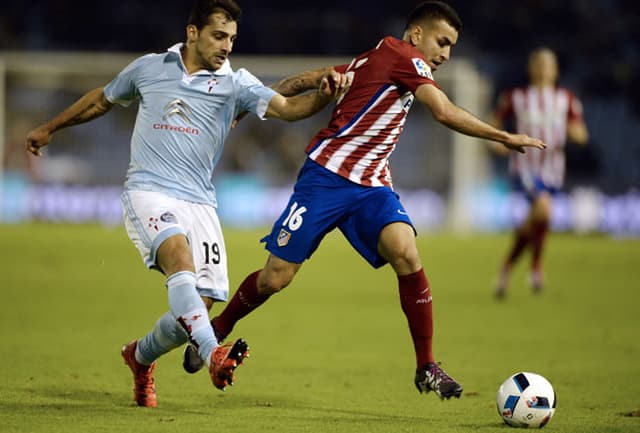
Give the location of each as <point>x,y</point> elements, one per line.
<point>332,353</point>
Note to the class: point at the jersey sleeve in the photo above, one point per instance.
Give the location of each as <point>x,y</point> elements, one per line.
<point>412,72</point>
<point>575,108</point>
<point>253,96</point>
<point>123,89</point>
<point>504,106</point>
<point>341,69</point>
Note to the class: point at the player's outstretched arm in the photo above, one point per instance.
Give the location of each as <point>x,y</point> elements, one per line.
<point>301,82</point>
<point>454,117</point>
<point>332,85</point>
<point>91,105</point>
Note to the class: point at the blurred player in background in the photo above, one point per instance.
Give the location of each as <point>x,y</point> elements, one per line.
<point>554,114</point>
<point>345,182</point>
<point>188,98</point>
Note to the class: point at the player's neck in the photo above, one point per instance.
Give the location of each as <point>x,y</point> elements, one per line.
<point>542,84</point>
<point>189,60</point>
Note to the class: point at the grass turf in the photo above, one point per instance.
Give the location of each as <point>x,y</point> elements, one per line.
<point>330,354</point>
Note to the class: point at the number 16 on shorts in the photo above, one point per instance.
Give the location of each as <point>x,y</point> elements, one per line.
<point>292,222</point>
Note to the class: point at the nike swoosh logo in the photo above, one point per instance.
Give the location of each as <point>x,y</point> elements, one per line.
<point>402,212</point>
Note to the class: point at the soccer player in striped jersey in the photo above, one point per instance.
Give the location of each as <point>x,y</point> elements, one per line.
<point>544,110</point>
<point>188,98</point>
<point>346,180</point>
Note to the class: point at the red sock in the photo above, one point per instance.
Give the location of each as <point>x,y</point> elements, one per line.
<point>415,299</point>
<point>539,230</point>
<point>520,242</point>
<point>244,301</point>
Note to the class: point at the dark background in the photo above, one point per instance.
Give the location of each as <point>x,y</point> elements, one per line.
<point>598,43</point>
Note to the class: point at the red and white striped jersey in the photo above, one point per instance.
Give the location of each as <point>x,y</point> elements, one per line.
<point>541,113</point>
<point>368,120</point>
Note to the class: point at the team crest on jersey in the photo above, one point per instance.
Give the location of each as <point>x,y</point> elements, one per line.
<point>423,69</point>
<point>168,217</point>
<point>283,238</point>
<point>212,83</point>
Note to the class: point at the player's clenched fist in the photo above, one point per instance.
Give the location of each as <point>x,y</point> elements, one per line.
<point>335,84</point>
<point>37,139</point>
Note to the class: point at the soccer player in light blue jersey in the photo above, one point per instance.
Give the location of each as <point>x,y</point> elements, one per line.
<point>188,98</point>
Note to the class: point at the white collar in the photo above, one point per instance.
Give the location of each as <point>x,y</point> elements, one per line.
<point>225,69</point>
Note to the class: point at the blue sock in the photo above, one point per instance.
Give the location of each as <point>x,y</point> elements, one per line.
<point>166,336</point>
<point>191,313</point>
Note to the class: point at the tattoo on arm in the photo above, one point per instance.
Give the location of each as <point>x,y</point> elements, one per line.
<point>87,108</point>
<point>299,83</point>
<point>82,116</point>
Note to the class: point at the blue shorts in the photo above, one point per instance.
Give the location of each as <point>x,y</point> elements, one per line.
<point>532,188</point>
<point>322,201</point>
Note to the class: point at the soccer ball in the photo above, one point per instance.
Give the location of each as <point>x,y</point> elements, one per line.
<point>526,400</point>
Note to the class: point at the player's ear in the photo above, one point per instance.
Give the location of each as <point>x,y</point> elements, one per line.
<point>415,35</point>
<point>192,33</point>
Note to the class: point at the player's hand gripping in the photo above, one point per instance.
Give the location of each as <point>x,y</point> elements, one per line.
<point>37,139</point>
<point>518,142</point>
<point>334,84</point>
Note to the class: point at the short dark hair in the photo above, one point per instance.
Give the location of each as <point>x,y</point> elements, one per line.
<point>434,10</point>
<point>202,9</point>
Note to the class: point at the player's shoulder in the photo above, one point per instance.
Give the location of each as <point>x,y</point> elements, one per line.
<point>243,77</point>
<point>146,60</point>
<point>565,90</point>
<point>152,58</point>
<point>517,90</point>
<point>399,47</point>
<point>405,56</point>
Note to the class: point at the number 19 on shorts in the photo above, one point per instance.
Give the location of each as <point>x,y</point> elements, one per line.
<point>211,253</point>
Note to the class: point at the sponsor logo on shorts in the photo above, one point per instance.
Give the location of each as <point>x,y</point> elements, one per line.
<point>401,212</point>
<point>168,217</point>
<point>283,238</point>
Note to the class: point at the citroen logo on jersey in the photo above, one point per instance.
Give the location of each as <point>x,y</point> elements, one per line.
<point>179,108</point>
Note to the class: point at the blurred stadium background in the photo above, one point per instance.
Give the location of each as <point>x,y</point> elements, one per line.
<point>52,51</point>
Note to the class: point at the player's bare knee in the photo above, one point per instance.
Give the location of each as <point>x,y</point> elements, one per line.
<point>208,302</point>
<point>405,260</point>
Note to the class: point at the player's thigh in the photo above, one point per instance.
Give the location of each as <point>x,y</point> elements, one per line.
<point>174,255</point>
<point>397,241</point>
<point>376,209</point>
<point>209,252</point>
<point>150,218</point>
<point>541,205</point>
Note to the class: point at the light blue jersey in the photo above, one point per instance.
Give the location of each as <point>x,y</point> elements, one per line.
<point>182,122</point>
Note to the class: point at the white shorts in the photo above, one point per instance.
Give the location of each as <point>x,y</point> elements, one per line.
<point>152,217</point>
